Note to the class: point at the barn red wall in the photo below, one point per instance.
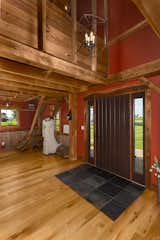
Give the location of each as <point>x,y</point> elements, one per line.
<point>138,48</point>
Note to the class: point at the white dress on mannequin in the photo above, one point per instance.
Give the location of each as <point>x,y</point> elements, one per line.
<point>50,144</point>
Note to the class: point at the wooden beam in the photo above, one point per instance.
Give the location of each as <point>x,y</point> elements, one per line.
<point>94,29</point>
<point>25,70</point>
<point>19,52</point>
<point>74,29</point>
<point>150,10</point>
<point>150,84</point>
<point>148,69</point>
<point>7,83</point>
<point>35,82</point>
<point>127,33</point>
<point>13,95</point>
<point>12,87</point>
<point>73,127</point>
<point>41,6</point>
<point>31,98</point>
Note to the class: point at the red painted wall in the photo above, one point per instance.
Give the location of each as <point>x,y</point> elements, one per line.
<point>138,48</point>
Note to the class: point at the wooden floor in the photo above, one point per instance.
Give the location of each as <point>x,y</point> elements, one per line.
<point>35,205</point>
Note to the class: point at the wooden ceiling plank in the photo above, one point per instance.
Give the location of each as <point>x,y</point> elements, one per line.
<point>4,84</point>
<point>35,82</point>
<point>37,73</point>
<point>13,50</point>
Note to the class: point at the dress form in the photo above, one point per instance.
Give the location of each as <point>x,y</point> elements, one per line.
<point>50,143</point>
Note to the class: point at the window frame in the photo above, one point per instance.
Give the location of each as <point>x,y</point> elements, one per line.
<point>13,108</point>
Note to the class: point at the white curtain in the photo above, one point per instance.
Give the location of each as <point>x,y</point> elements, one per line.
<point>50,144</point>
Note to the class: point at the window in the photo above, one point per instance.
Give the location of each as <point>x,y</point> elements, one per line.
<point>91,114</point>
<point>138,134</point>
<point>9,117</point>
<point>90,130</point>
<point>57,122</point>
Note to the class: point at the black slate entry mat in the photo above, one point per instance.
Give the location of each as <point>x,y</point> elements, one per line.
<point>109,193</point>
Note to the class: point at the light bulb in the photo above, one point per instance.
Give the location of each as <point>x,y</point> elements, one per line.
<point>66,7</point>
<point>93,39</point>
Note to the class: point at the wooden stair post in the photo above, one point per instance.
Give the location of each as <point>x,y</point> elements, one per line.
<point>36,115</point>
<point>25,143</point>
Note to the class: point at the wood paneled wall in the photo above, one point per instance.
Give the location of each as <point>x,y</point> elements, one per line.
<point>18,21</point>
<point>11,138</point>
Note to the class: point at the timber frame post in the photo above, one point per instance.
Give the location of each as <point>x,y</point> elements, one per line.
<point>148,122</point>
<point>73,126</point>
<point>74,29</point>
<point>42,8</point>
<point>94,25</point>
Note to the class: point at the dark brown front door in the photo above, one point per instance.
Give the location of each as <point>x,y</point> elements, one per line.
<point>116,134</point>
<point>113,134</point>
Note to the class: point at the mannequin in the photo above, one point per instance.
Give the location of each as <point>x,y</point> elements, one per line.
<point>50,144</point>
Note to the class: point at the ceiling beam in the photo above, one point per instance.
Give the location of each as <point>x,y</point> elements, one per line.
<point>32,90</point>
<point>13,50</point>
<point>28,99</point>
<point>148,69</point>
<point>150,9</point>
<point>13,94</point>
<point>35,82</point>
<point>25,70</point>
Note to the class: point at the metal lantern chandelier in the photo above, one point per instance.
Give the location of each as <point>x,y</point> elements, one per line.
<point>90,40</point>
<point>90,37</point>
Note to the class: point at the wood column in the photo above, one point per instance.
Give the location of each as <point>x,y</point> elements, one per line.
<point>148,121</point>
<point>106,38</point>
<point>74,30</point>
<point>42,5</point>
<point>73,127</point>
<point>94,29</point>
